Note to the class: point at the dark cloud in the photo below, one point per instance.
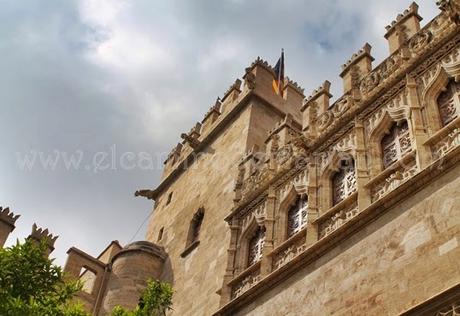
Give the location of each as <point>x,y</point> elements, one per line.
<point>83,77</point>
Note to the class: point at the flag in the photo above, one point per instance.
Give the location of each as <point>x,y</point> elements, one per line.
<point>278,81</point>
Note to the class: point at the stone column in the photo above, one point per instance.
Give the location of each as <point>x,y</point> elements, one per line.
<point>266,263</point>
<point>226,291</point>
<point>419,134</point>
<point>312,192</point>
<point>362,172</point>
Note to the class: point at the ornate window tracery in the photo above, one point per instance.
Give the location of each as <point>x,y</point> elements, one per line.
<point>344,181</point>
<point>297,216</point>
<point>396,144</point>
<point>256,245</point>
<point>446,103</point>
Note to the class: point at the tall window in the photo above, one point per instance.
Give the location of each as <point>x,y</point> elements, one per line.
<point>396,143</point>
<point>195,226</point>
<point>297,216</point>
<point>446,103</point>
<point>344,181</point>
<point>256,245</point>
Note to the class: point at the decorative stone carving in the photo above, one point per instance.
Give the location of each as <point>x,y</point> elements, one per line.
<point>283,154</point>
<point>324,120</point>
<point>246,284</point>
<point>289,253</point>
<point>336,220</point>
<point>257,213</point>
<point>250,79</point>
<point>396,144</point>
<point>346,144</point>
<point>446,103</point>
<point>297,216</point>
<point>419,40</point>
<point>344,182</point>
<point>397,109</point>
<point>451,310</point>
<point>256,246</point>
<point>370,82</point>
<point>394,180</point>
<point>451,8</point>
<point>441,148</point>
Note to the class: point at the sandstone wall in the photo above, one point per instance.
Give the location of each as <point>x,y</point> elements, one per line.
<point>406,256</point>
<point>207,183</point>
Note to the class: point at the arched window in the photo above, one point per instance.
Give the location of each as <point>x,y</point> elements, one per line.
<point>256,245</point>
<point>297,216</point>
<point>194,232</point>
<point>344,181</point>
<point>195,226</point>
<point>395,144</point>
<point>446,103</point>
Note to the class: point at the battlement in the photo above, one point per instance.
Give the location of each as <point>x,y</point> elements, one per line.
<point>257,79</point>
<point>402,17</point>
<point>316,114</point>
<point>8,217</point>
<point>38,234</point>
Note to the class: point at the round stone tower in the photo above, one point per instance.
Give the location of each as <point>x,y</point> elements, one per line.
<point>131,268</point>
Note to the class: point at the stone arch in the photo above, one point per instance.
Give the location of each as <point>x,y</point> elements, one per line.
<point>246,235</point>
<point>330,170</point>
<point>391,116</point>
<point>294,192</point>
<point>430,95</point>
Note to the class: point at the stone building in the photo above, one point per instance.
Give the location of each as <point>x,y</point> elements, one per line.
<point>294,205</point>
<point>281,204</point>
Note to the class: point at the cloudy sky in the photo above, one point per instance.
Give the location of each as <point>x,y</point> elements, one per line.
<point>94,93</point>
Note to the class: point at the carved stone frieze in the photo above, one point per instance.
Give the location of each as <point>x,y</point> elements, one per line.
<point>450,310</point>
<point>286,255</point>
<point>451,8</point>
<point>397,109</point>
<point>299,181</point>
<point>451,141</point>
<point>258,214</point>
<point>419,40</point>
<point>245,285</point>
<point>337,219</point>
<point>346,144</point>
<point>339,108</point>
<point>400,175</point>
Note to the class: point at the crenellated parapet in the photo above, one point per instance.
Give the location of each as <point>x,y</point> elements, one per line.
<point>359,65</point>
<point>403,27</point>
<point>394,131</point>
<point>39,234</point>
<point>256,83</point>
<point>451,8</point>
<point>8,217</point>
<point>7,224</point>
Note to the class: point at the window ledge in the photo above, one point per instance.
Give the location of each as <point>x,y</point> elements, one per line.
<point>249,270</point>
<point>341,205</point>
<point>300,234</point>
<point>391,168</point>
<point>189,248</point>
<point>441,133</point>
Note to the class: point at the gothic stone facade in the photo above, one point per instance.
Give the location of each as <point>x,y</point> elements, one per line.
<point>294,206</point>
